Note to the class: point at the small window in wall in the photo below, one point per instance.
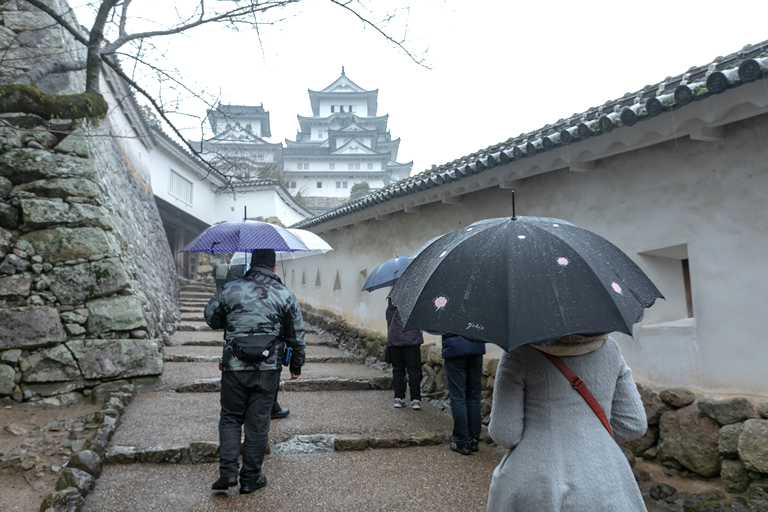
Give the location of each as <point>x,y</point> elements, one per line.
<point>338,184</point>
<point>383,166</point>
<point>351,166</point>
<point>319,184</point>
<point>669,268</point>
<point>180,187</point>
<point>370,165</point>
<point>317,279</point>
<point>357,166</point>
<point>331,166</point>
<point>352,108</point>
<point>333,109</point>
<point>343,184</point>
<point>293,184</point>
<point>337,282</point>
<point>293,277</point>
<point>303,279</point>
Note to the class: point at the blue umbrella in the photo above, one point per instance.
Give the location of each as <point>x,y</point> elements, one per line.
<point>386,274</point>
<point>245,236</point>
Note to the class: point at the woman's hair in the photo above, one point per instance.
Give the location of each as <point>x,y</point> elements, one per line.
<point>578,339</point>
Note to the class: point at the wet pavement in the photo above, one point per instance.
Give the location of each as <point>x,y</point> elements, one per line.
<point>403,463</point>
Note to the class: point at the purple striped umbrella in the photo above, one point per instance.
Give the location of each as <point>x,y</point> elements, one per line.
<point>245,236</point>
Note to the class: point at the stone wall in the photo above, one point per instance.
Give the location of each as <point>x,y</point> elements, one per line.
<point>689,435</point>
<point>88,288</point>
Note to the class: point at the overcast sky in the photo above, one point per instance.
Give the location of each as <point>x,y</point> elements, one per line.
<point>498,68</point>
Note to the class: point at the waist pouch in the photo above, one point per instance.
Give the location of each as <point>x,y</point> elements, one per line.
<point>254,348</point>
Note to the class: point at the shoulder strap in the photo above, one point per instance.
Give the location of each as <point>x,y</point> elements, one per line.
<point>579,386</point>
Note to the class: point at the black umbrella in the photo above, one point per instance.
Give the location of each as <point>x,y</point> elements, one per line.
<point>519,280</point>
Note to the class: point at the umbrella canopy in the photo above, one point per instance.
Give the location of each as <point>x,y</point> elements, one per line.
<point>518,280</point>
<point>314,243</point>
<point>422,247</point>
<point>245,236</point>
<point>386,274</point>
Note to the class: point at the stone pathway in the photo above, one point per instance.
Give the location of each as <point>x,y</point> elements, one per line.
<point>343,447</point>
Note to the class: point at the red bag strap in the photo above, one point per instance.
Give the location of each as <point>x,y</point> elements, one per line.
<point>579,386</point>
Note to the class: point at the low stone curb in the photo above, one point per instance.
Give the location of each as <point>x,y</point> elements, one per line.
<point>176,358</point>
<point>213,385</point>
<point>192,318</point>
<point>80,473</point>
<point>208,452</point>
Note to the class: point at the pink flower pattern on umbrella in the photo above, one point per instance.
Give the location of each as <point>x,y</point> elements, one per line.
<point>440,303</point>
<point>562,261</point>
<point>616,288</point>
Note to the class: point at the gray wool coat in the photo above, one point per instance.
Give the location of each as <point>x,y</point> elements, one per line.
<point>562,457</point>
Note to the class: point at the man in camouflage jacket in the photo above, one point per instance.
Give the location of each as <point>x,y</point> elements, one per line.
<point>259,303</point>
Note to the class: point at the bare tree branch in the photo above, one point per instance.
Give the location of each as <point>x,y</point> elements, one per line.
<point>59,19</point>
<point>33,75</point>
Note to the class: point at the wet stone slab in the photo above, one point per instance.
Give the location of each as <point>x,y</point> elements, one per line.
<point>163,418</point>
<point>417,479</point>
<point>192,350</point>
<point>181,338</point>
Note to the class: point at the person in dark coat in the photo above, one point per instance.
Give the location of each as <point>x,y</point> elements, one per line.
<point>405,355</point>
<point>258,304</point>
<point>463,374</point>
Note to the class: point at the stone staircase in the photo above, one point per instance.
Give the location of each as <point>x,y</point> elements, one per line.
<point>164,455</point>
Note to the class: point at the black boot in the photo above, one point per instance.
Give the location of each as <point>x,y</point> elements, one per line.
<point>463,449</point>
<point>249,487</point>
<point>222,484</point>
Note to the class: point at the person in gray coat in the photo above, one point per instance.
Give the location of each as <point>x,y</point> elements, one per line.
<point>561,457</point>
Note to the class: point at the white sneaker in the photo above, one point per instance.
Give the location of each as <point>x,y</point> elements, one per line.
<point>416,404</point>
<point>399,403</point>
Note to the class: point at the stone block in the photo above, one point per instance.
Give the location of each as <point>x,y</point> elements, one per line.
<point>653,405</point>
<point>350,442</point>
<point>203,452</point>
<point>728,411</point>
<point>165,455</point>
<point>677,397</point>
<point>728,442</point>
<point>7,379</point>
<point>753,445</point>
<point>762,409</point>
<point>100,392</point>
<point>11,356</point>
<point>53,388</point>
<point>88,461</point>
<point>30,327</point>
<point>61,187</point>
<point>122,313</point>
<point>9,216</point>
<point>58,245</point>
<point>690,438</point>
<point>758,493</point>
<point>50,365</point>
<point>24,164</point>
<point>5,241</point>
<point>75,284</point>
<point>62,400</point>
<point>118,358</point>
<point>121,455</point>
<point>434,356</point>
<point>16,286</point>
<point>735,476</point>
<point>5,184</point>
<point>67,500</point>
<point>73,144</point>
<point>425,439</point>
<point>77,478</point>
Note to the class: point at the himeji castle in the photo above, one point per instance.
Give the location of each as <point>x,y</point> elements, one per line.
<point>343,143</point>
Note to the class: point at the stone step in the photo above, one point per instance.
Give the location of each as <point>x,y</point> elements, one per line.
<point>213,385</point>
<point>193,326</point>
<point>213,349</point>
<point>192,317</point>
<point>181,358</point>
<point>423,478</point>
<point>180,376</point>
<point>164,418</point>
<point>196,295</point>
<point>186,309</point>
<point>196,338</point>
<point>200,287</point>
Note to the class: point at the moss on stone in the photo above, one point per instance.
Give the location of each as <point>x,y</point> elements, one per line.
<point>25,98</point>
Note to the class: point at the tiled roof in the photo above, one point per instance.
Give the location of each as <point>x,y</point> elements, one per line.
<point>698,83</point>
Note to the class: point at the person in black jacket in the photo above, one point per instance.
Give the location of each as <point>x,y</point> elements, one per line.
<point>463,374</point>
<point>405,354</point>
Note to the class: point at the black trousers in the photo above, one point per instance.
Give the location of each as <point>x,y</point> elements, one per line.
<point>406,359</point>
<point>246,399</point>
<point>464,377</point>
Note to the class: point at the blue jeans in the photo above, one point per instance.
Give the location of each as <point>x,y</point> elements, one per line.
<point>463,376</point>
<point>247,398</point>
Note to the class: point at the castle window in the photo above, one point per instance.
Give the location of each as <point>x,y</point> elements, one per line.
<point>344,184</point>
<point>331,166</point>
<point>351,166</point>
<point>338,184</point>
<point>357,166</point>
<point>180,187</point>
<point>293,184</point>
<point>351,108</point>
<point>370,165</point>
<point>341,108</point>
<point>333,109</point>
<point>319,184</point>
